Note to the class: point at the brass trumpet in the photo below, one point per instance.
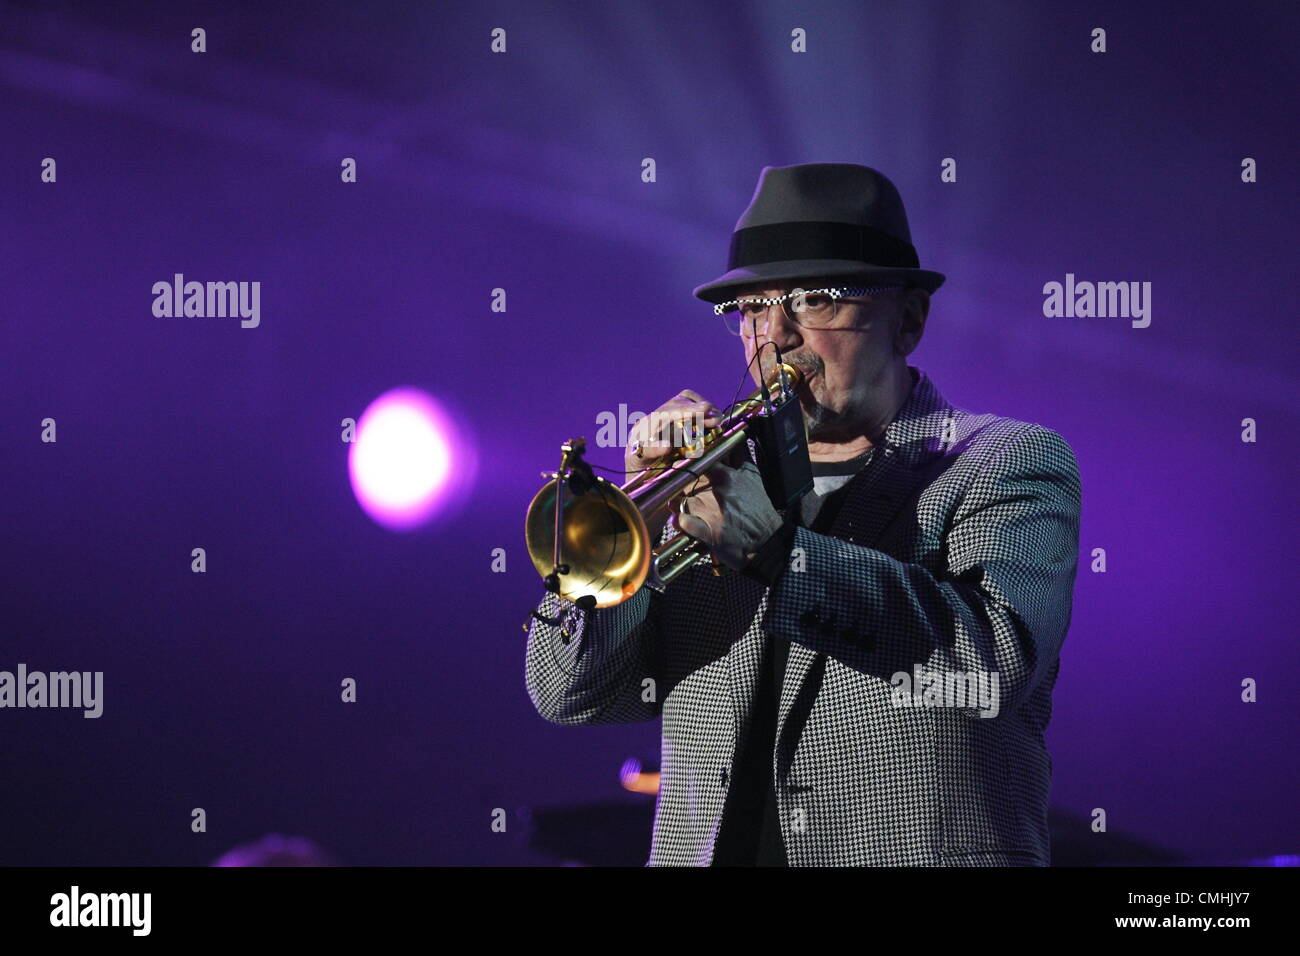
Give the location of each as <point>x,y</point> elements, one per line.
<point>590,540</point>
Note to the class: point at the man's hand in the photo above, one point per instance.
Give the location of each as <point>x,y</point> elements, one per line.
<point>733,515</point>
<point>652,439</point>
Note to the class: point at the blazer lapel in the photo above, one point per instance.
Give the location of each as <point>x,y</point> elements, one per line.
<point>874,495</point>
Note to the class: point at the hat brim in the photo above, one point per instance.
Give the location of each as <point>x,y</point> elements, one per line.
<point>722,289</point>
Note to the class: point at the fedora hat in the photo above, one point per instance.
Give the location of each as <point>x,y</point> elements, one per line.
<point>838,220</point>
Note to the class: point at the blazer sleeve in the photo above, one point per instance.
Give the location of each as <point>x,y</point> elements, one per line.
<point>598,673</point>
<point>1001,605</point>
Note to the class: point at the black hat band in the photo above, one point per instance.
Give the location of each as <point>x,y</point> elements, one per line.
<point>782,241</point>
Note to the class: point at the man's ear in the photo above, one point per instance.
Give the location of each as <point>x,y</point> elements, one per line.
<point>909,325</point>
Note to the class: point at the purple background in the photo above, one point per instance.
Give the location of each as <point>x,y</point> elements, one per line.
<point>522,171</point>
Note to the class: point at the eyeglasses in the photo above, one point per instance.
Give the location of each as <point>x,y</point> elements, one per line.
<point>810,308</point>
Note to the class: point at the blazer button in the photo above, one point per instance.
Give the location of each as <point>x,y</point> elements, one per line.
<point>723,776</point>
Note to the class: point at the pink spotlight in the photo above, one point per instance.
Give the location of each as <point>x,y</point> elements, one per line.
<point>408,459</point>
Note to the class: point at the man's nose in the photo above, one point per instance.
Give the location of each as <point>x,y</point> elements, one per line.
<point>782,330</point>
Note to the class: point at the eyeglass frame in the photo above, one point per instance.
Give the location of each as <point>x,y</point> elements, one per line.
<point>835,292</point>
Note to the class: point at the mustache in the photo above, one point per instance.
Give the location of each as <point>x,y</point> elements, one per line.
<point>807,364</point>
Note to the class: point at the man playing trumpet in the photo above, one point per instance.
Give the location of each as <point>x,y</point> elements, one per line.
<point>869,682</point>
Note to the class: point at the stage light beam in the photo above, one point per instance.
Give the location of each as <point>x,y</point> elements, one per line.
<point>404,457</point>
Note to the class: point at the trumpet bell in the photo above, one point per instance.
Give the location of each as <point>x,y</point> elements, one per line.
<point>603,541</point>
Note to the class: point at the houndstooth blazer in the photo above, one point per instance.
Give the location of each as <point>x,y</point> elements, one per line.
<point>955,549</point>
